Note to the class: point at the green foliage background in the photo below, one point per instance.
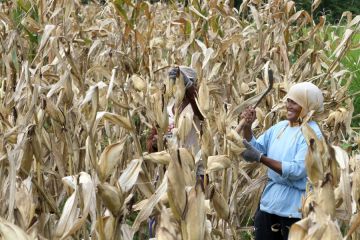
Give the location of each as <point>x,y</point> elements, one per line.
<point>332,8</point>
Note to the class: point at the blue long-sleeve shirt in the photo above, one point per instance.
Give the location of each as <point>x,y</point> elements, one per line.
<point>282,194</point>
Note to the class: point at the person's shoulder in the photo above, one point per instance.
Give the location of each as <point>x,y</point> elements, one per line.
<point>281,124</point>
<point>278,126</point>
<point>316,128</point>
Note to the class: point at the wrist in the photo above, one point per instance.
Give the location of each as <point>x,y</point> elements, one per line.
<point>247,125</point>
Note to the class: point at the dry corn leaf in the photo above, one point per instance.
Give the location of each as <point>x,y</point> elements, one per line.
<point>343,161</point>
<point>11,231</point>
<point>298,230</point>
<point>179,90</point>
<point>68,217</point>
<point>110,157</point>
<point>115,119</point>
<point>326,197</point>
<point>176,186</point>
<point>185,123</point>
<point>112,82</point>
<point>48,29</point>
<point>129,176</point>
<point>220,204</point>
<point>315,5</point>
<point>112,198</point>
<point>168,229</point>
<point>70,220</point>
<point>148,209</point>
<point>218,162</point>
<point>332,231</point>
<point>162,157</point>
<point>193,226</point>
<point>138,83</point>
<point>354,224</point>
<point>187,158</point>
<point>24,202</point>
<point>145,185</point>
<point>204,97</point>
<point>313,157</point>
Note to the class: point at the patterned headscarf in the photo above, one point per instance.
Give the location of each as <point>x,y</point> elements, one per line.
<point>188,73</point>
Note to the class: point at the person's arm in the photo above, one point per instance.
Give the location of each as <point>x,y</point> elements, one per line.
<point>247,133</point>
<point>295,169</point>
<point>190,95</point>
<point>292,170</point>
<point>272,164</point>
<point>249,115</point>
<point>151,141</point>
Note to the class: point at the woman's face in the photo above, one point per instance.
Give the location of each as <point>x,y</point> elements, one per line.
<point>293,110</point>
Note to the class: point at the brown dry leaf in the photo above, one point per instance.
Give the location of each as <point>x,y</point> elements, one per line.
<point>68,217</point>
<point>315,5</point>
<point>112,82</point>
<point>115,119</point>
<point>218,162</point>
<point>332,231</point>
<point>325,196</point>
<point>108,226</point>
<point>110,157</point>
<point>193,226</point>
<point>179,90</point>
<point>343,161</point>
<point>48,29</point>
<point>25,203</point>
<point>313,157</point>
<point>162,157</point>
<point>70,220</point>
<point>148,209</point>
<point>204,97</point>
<point>342,45</point>
<point>89,107</point>
<point>176,186</point>
<point>187,158</point>
<point>354,224</point>
<point>220,204</point>
<point>185,124</point>
<point>168,229</point>
<point>138,83</point>
<point>144,185</point>
<point>112,198</point>
<point>11,231</point>
<point>207,52</point>
<point>298,230</point>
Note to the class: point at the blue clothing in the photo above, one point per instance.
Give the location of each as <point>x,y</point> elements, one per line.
<point>282,194</point>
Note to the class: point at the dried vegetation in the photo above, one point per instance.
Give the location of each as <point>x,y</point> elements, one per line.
<point>82,84</point>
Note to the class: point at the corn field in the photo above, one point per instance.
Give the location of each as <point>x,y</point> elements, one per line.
<point>82,85</point>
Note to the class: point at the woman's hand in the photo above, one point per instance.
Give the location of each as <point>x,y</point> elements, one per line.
<point>249,115</point>
<point>151,141</point>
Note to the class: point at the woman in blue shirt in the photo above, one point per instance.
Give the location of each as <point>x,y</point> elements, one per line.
<point>282,148</point>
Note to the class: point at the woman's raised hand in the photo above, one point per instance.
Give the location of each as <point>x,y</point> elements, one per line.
<point>249,115</point>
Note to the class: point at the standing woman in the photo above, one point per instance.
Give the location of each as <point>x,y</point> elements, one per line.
<point>188,104</point>
<point>282,148</point>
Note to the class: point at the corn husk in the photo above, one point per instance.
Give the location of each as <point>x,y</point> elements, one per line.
<point>112,197</point>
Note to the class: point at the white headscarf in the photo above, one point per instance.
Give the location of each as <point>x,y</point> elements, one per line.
<point>308,96</point>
